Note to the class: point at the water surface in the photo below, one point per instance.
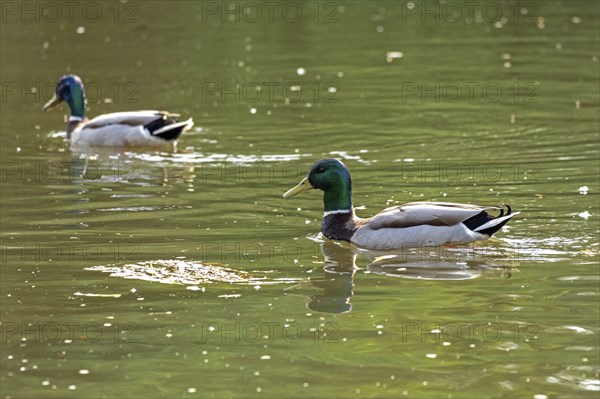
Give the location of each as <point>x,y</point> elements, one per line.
<point>400,98</point>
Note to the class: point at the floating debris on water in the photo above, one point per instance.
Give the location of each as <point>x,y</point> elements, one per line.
<point>188,273</point>
<point>98,295</point>
<point>584,214</point>
<point>392,55</point>
<point>175,272</point>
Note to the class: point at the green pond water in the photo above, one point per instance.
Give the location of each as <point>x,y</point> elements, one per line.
<point>181,272</point>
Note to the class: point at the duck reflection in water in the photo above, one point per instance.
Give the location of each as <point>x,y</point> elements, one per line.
<point>336,287</point>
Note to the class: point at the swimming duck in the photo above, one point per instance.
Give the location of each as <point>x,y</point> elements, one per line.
<point>117,129</point>
<point>410,225</point>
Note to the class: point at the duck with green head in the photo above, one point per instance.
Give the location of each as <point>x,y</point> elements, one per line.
<point>117,129</point>
<point>413,224</point>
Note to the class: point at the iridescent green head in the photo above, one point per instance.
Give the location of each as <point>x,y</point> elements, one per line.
<point>332,177</point>
<point>70,90</point>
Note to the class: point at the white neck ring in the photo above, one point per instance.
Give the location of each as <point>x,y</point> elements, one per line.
<point>338,211</point>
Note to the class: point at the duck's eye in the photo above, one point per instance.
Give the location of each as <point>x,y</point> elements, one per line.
<point>321,170</point>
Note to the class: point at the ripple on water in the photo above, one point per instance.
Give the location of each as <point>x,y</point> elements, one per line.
<point>573,378</point>
<point>130,209</point>
<point>347,156</point>
<point>575,329</point>
<point>196,157</point>
<point>580,278</point>
<point>551,249</point>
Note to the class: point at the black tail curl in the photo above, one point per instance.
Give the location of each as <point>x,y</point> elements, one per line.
<point>169,134</point>
<point>483,217</point>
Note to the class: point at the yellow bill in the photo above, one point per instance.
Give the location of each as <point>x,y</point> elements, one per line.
<point>52,103</point>
<point>303,186</point>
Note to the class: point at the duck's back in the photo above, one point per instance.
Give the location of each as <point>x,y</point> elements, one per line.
<point>131,118</point>
<point>119,129</point>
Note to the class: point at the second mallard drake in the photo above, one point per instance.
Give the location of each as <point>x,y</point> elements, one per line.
<point>118,129</point>
<point>410,225</point>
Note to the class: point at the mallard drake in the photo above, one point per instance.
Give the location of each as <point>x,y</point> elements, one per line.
<point>410,225</point>
<point>118,129</point>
